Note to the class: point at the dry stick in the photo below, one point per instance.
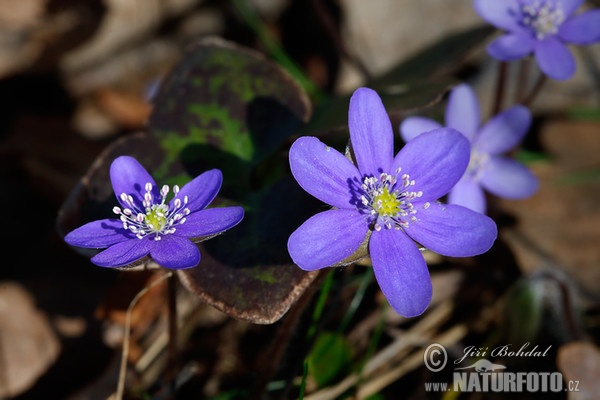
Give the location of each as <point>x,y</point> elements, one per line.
<point>172,322</point>
<point>416,335</point>
<point>373,386</point>
<point>125,352</point>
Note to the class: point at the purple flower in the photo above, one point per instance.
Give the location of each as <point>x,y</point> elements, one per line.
<point>148,225</point>
<point>541,27</point>
<point>488,169</point>
<point>389,201</point>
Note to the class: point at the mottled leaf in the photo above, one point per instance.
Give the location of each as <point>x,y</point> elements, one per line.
<point>224,106</point>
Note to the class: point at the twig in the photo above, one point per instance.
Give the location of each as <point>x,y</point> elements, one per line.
<point>125,352</point>
<point>417,335</point>
<point>172,323</point>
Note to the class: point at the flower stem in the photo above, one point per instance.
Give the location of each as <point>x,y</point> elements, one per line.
<point>523,80</point>
<point>500,86</point>
<point>125,353</point>
<point>172,327</point>
<point>535,90</point>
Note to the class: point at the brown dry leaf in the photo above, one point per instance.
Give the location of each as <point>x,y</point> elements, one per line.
<point>126,22</point>
<point>580,364</point>
<point>28,346</point>
<point>18,19</point>
<point>562,218</point>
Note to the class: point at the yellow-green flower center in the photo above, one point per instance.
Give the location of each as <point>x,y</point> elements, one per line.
<point>152,218</point>
<point>386,203</point>
<point>156,217</point>
<point>543,17</point>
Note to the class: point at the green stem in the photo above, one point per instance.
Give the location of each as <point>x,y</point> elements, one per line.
<point>273,47</point>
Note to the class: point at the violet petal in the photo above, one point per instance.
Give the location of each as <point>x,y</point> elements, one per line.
<point>128,176</point>
<point>504,131</point>
<point>499,13</point>
<point>436,160</point>
<point>125,252</point>
<point>322,171</point>
<point>555,59</point>
<point>412,127</point>
<point>582,29</point>
<point>400,271</point>
<point>327,238</point>
<point>371,133</point>
<point>508,178</point>
<point>201,190</point>
<point>175,252</point>
<point>209,222</point>
<point>511,46</point>
<point>452,230</point>
<point>468,193</point>
<point>99,234</point>
<point>463,112</point>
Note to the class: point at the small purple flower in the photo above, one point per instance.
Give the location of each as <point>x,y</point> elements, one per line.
<point>488,169</point>
<point>391,201</point>
<point>148,225</point>
<point>541,27</point>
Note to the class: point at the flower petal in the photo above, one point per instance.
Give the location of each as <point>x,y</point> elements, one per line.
<point>501,14</point>
<point>175,252</point>
<point>322,171</point>
<point>412,127</point>
<point>511,46</point>
<point>201,190</point>
<point>462,111</point>
<point>581,29</point>
<point>210,221</point>
<point>508,178</point>
<point>555,59</point>
<point>124,253</point>
<point>327,238</point>
<point>504,131</point>
<point>436,160</point>
<point>99,234</point>
<point>371,132</point>
<point>129,176</point>
<point>453,230</point>
<point>400,271</point>
<point>570,6</point>
<point>468,193</point>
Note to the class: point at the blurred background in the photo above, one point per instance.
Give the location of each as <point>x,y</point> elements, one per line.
<point>77,75</point>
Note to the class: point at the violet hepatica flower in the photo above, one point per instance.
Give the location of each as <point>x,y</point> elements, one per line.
<point>148,225</point>
<point>389,200</point>
<point>543,28</point>
<point>488,168</point>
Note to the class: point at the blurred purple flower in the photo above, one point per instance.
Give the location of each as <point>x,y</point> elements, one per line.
<point>488,168</point>
<point>147,225</point>
<point>541,27</point>
<point>391,198</point>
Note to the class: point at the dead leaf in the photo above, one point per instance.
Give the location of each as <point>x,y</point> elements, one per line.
<point>580,364</point>
<point>28,346</point>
